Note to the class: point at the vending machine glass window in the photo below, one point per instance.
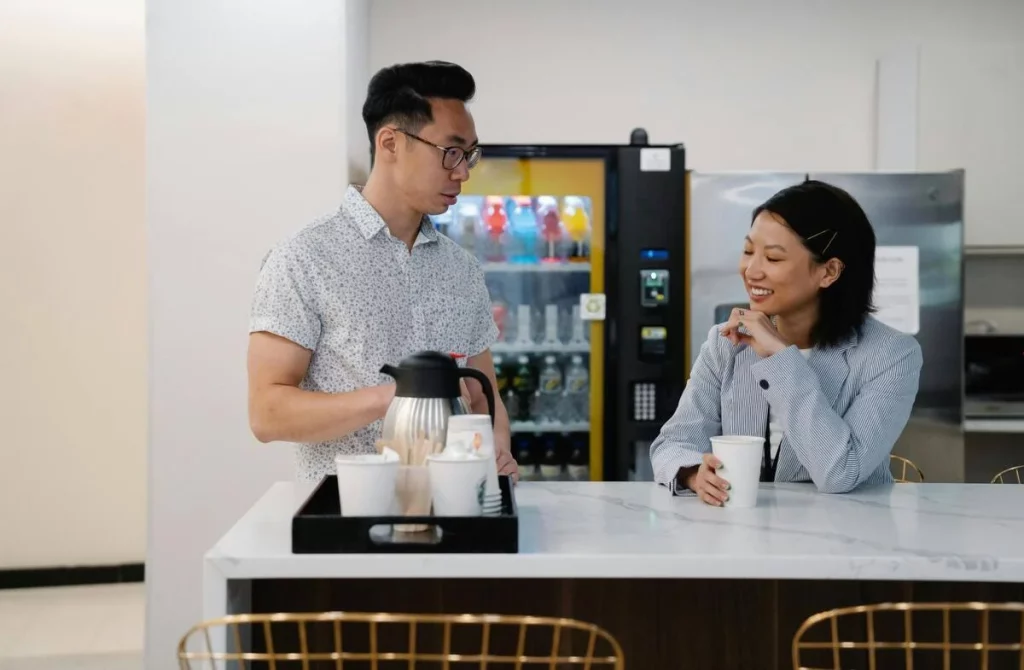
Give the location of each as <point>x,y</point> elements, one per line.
<point>537,228</point>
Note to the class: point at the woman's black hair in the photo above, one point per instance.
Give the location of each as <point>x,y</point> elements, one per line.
<point>831,224</point>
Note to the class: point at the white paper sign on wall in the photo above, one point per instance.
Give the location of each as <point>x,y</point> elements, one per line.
<point>898,288</point>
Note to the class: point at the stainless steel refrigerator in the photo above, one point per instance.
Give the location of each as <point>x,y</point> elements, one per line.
<point>918,221</point>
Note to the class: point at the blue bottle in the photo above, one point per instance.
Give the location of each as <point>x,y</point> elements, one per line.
<point>524,233</point>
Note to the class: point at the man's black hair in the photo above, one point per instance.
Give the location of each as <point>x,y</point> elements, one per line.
<point>831,224</point>
<point>400,94</point>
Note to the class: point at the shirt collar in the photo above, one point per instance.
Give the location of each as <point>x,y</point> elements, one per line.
<point>369,222</point>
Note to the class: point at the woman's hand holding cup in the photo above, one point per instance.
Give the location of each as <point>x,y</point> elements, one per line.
<point>708,486</point>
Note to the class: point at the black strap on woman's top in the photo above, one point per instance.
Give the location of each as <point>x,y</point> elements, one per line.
<point>768,464</point>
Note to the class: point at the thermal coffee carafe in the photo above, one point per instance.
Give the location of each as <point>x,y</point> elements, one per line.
<point>427,393</point>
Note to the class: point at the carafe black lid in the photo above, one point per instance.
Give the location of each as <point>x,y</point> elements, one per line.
<point>429,360</point>
<point>426,374</point>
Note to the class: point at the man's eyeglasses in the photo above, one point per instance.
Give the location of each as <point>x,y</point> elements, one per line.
<point>451,157</point>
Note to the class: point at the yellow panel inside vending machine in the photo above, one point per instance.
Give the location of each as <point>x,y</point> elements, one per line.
<point>537,225</point>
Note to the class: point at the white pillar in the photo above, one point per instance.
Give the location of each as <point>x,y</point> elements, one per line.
<point>248,108</point>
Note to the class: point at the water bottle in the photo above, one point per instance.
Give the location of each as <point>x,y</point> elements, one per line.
<point>577,467</point>
<point>465,228</point>
<point>523,448</point>
<point>577,391</point>
<point>550,391</point>
<point>550,459</point>
<point>443,222</point>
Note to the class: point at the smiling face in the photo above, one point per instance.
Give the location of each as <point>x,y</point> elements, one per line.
<point>779,272</point>
<point>427,186</point>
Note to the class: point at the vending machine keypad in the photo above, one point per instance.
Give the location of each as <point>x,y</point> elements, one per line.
<point>645,401</point>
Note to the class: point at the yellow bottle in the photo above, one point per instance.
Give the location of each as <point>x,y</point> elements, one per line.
<point>577,224</point>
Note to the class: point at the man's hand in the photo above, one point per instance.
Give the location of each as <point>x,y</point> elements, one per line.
<point>506,464</point>
<point>502,431</point>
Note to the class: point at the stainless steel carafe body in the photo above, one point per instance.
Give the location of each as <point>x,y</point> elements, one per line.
<point>411,419</point>
<point>427,392</point>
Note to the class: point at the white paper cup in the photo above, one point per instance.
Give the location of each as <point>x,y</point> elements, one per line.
<point>741,466</point>
<point>366,483</point>
<point>457,484</point>
<point>473,433</point>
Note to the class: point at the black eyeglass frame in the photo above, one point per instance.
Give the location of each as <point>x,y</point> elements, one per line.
<point>472,157</point>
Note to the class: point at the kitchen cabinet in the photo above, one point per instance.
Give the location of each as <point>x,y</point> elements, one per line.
<point>970,102</point>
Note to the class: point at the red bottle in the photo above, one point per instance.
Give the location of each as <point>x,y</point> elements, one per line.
<point>551,229</point>
<point>500,313</point>
<point>495,226</point>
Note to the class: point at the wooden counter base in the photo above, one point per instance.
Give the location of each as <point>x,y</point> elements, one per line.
<point>673,624</point>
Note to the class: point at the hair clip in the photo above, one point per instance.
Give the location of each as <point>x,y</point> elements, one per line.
<point>831,240</point>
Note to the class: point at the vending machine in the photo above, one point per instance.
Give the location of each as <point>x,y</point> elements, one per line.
<point>584,253</point>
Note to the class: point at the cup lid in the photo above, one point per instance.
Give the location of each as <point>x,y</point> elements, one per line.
<point>389,455</point>
<point>738,439</point>
<point>456,457</point>
<point>469,421</point>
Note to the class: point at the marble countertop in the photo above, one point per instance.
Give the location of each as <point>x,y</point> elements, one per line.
<point>944,532</point>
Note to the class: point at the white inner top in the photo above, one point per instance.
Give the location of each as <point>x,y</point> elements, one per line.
<point>774,427</point>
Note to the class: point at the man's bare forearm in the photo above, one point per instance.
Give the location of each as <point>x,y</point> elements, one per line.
<point>286,413</point>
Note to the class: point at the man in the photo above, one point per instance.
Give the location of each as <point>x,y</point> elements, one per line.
<point>375,282</point>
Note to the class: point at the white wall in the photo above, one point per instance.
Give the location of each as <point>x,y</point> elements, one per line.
<point>246,143</point>
<point>788,84</point>
<point>980,129</point>
<point>72,283</point>
<point>356,76</point>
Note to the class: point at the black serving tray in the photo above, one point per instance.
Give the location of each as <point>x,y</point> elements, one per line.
<point>319,528</point>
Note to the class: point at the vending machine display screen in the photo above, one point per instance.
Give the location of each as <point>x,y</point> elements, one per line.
<point>653,288</point>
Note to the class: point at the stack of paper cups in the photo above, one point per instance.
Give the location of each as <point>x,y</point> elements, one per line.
<point>473,433</point>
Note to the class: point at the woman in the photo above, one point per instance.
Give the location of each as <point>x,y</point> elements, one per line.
<point>830,387</point>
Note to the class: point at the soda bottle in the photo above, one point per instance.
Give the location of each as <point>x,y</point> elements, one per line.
<point>577,225</point>
<point>550,458</point>
<point>523,449</point>
<point>464,229</point>
<point>524,325</point>
<point>552,231</point>
<point>551,334</point>
<point>577,391</point>
<point>443,222</point>
<point>550,391</point>
<point>578,470</point>
<point>524,385</point>
<point>501,375</point>
<point>495,226</point>
<point>580,334</point>
<point>512,405</point>
<point>523,231</point>
<point>499,311</point>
